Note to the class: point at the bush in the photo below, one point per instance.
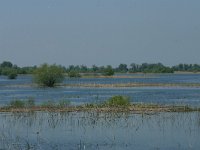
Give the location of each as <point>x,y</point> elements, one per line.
<point>12,75</point>
<point>17,104</point>
<point>118,101</point>
<point>108,71</point>
<point>22,103</point>
<point>49,75</point>
<point>74,74</point>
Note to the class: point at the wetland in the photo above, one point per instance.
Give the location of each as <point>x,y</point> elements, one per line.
<point>163,111</point>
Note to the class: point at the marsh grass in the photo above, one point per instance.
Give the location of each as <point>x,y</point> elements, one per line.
<point>17,104</point>
<point>52,105</point>
<point>22,103</point>
<point>116,103</point>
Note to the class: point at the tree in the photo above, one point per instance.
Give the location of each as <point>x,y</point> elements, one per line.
<point>12,74</point>
<point>108,71</point>
<point>94,68</point>
<point>6,64</point>
<point>49,75</point>
<point>122,68</point>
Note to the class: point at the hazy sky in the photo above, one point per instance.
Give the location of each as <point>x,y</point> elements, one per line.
<point>99,32</point>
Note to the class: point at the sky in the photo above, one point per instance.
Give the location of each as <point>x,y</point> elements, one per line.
<point>101,32</point>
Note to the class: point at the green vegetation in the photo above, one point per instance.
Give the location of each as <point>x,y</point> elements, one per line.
<point>49,75</point>
<point>118,101</point>
<point>122,68</point>
<point>8,69</point>
<point>74,74</point>
<point>22,103</point>
<point>150,68</point>
<point>6,64</point>
<point>187,67</point>
<point>114,104</point>
<point>17,104</point>
<point>12,74</point>
<point>76,70</point>
<point>108,71</point>
<point>53,104</point>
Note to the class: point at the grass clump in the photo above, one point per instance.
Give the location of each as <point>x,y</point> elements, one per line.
<point>22,103</point>
<point>17,104</point>
<point>118,101</point>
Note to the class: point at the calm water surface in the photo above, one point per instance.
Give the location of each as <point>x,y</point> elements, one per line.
<point>104,131</point>
<point>88,131</point>
<point>15,89</point>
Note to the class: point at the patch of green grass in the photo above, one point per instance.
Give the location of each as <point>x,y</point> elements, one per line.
<point>22,103</point>
<point>118,101</point>
<point>17,104</point>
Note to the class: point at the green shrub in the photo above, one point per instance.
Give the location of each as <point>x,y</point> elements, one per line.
<point>118,100</point>
<point>17,104</point>
<point>12,75</point>
<point>74,74</point>
<point>49,75</point>
<point>108,71</point>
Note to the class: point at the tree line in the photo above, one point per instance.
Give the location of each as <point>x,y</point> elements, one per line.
<point>11,70</point>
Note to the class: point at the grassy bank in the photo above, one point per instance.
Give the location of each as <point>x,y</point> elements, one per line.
<point>114,104</point>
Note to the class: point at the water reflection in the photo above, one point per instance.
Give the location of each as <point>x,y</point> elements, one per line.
<point>93,130</point>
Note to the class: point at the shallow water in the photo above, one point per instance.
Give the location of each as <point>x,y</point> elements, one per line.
<point>135,78</point>
<point>161,95</point>
<point>119,131</point>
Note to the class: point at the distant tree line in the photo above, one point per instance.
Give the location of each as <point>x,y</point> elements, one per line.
<point>187,67</point>
<point>11,70</point>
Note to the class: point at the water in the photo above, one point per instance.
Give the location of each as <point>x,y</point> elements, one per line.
<point>130,78</point>
<point>22,89</point>
<point>103,131</point>
<point>92,130</point>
